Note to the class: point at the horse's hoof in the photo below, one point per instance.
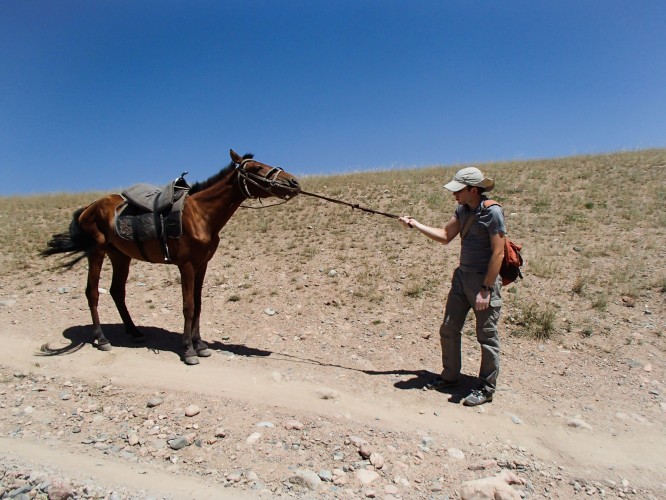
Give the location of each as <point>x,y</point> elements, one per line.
<point>191,360</point>
<point>139,339</point>
<point>204,353</point>
<point>106,346</point>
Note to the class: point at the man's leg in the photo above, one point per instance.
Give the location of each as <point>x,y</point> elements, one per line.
<point>486,334</point>
<point>457,307</point>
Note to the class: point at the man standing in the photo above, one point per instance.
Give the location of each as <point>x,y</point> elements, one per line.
<point>476,282</point>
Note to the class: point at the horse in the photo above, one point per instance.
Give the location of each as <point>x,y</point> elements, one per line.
<point>209,206</point>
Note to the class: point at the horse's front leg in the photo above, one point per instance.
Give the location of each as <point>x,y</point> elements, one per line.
<point>187,280</point>
<point>200,346</point>
<point>95,260</point>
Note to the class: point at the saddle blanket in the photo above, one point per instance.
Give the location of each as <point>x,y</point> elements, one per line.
<point>135,224</point>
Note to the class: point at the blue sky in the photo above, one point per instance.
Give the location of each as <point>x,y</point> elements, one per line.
<point>98,95</point>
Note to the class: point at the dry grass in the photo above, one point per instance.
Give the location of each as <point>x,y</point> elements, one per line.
<point>593,229</point>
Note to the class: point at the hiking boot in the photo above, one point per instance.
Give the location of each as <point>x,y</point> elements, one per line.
<point>440,383</point>
<point>478,397</point>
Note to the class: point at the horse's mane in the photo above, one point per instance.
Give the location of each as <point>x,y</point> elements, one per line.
<point>200,186</point>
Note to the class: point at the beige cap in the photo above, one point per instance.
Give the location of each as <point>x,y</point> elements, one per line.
<point>470,176</point>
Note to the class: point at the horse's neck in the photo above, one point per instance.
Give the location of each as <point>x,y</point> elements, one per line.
<point>217,203</point>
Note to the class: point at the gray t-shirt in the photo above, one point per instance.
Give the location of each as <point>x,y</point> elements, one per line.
<point>475,251</point>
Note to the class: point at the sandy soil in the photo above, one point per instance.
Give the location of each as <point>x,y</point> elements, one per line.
<point>567,421</point>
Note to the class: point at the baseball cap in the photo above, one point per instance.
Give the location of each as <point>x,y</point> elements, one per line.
<point>470,176</point>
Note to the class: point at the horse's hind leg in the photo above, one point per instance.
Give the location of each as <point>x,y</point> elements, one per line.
<point>95,260</point>
<point>121,264</point>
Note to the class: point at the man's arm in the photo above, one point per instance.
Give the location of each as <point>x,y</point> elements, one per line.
<point>442,234</point>
<point>497,247</point>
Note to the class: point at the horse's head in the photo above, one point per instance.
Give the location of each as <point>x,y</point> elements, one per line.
<point>258,180</point>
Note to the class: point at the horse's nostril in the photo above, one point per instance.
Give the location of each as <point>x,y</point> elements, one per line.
<point>294,183</point>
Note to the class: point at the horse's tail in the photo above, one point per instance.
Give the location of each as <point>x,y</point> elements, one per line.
<point>76,241</point>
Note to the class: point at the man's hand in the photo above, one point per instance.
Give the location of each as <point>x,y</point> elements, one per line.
<point>482,300</point>
<point>407,221</point>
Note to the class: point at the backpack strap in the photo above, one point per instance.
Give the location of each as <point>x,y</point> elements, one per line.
<point>472,218</point>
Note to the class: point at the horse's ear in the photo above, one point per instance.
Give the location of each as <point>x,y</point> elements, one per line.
<point>235,157</point>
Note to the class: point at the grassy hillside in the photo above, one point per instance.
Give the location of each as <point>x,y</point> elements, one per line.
<point>592,227</point>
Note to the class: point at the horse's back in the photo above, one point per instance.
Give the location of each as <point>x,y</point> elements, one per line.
<point>100,213</point>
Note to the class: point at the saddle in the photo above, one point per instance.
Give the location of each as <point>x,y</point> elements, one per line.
<point>149,212</point>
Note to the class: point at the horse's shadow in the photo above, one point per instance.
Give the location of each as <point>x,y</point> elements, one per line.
<point>160,340</point>
<point>156,340</point>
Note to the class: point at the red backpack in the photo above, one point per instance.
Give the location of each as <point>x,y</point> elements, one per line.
<point>512,262</point>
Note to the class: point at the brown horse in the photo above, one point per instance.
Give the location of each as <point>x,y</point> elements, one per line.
<point>208,208</point>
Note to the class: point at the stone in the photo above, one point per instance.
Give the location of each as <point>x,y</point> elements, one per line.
<point>132,438</point>
<point>306,479</point>
<point>515,419</point>
<point>59,491</point>
<point>326,393</point>
<point>366,477</point>
<point>492,488</point>
<point>357,441</point>
<point>486,464</point>
<point>578,423</point>
<point>293,425</point>
<point>153,402</point>
<point>427,441</point>
<point>391,489</point>
<point>377,460</point>
<point>455,453</point>
<point>192,410</point>
<point>365,451</point>
<point>179,442</point>
<point>326,476</point>
<point>253,438</point>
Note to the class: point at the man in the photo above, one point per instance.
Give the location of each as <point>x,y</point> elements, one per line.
<point>476,282</point>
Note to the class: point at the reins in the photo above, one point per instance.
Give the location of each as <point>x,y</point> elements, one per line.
<point>352,205</point>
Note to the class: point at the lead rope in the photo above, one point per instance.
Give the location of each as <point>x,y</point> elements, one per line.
<point>352,205</point>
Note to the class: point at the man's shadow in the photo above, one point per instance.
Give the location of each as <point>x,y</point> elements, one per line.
<point>156,340</point>
<point>423,377</point>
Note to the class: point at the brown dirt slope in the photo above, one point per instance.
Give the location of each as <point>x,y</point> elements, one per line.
<point>357,302</point>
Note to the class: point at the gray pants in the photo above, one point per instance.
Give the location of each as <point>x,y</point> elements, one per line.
<point>462,296</point>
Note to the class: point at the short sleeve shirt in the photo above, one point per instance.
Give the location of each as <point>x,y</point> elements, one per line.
<point>475,251</point>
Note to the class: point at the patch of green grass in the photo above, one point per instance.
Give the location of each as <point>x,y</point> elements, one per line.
<point>414,290</point>
<point>600,302</point>
<point>580,284</point>
<point>537,321</point>
<point>543,267</point>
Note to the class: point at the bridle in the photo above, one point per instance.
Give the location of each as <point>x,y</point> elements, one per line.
<point>270,180</point>
<point>266,183</point>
